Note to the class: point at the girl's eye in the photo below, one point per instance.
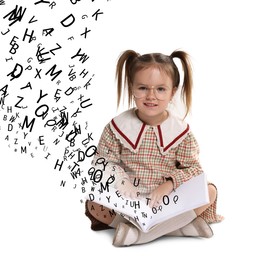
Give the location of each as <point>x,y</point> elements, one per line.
<point>143,88</point>
<point>161,89</point>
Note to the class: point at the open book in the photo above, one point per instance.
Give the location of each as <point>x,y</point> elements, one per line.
<point>190,195</point>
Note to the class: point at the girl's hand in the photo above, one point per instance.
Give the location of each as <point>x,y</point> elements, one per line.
<point>127,189</point>
<point>157,195</point>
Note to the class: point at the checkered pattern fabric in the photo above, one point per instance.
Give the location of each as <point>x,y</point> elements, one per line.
<point>149,168</point>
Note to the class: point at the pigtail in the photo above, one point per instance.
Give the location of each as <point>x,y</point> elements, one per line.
<point>186,91</point>
<point>126,59</point>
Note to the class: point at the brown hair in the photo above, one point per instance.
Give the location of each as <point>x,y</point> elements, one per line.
<point>134,62</point>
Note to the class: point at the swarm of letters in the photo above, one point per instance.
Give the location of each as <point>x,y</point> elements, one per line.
<point>46,82</point>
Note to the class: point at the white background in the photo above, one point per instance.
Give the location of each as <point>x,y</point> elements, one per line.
<point>233,50</point>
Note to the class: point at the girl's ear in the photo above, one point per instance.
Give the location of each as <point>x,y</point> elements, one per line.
<point>174,90</point>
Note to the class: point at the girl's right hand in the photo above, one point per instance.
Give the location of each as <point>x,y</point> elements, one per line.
<point>156,196</point>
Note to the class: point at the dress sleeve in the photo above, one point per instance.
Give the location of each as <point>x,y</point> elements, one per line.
<point>188,166</point>
<point>187,161</point>
<point>108,157</point>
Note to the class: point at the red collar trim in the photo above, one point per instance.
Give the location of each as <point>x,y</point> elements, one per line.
<point>134,146</point>
<point>173,141</point>
<point>130,131</point>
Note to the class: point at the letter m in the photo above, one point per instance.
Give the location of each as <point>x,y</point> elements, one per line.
<point>31,124</point>
<point>15,15</point>
<point>53,73</point>
<point>102,187</point>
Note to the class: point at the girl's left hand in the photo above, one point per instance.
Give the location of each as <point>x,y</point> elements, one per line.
<point>157,195</point>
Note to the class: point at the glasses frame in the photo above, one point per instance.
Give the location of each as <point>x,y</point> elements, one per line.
<point>154,88</point>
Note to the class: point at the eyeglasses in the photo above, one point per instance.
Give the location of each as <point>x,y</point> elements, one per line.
<point>160,92</point>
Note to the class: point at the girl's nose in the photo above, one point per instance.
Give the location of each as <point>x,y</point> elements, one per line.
<point>151,93</point>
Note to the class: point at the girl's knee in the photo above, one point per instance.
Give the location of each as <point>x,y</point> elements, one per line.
<point>101,213</point>
<point>212,193</point>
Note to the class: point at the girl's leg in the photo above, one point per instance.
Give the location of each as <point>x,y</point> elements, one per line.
<point>190,225</point>
<point>212,195</point>
<point>102,217</point>
<point>100,213</point>
<point>99,216</point>
<point>128,234</point>
<point>199,226</point>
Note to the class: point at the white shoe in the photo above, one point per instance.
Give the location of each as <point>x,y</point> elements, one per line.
<point>125,235</point>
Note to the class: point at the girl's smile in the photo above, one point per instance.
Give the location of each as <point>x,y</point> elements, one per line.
<point>150,104</point>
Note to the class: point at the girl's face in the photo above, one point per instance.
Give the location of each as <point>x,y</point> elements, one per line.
<point>152,89</point>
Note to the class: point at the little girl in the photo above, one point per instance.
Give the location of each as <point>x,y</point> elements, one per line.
<point>150,144</point>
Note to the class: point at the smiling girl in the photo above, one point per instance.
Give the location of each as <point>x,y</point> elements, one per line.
<point>150,144</point>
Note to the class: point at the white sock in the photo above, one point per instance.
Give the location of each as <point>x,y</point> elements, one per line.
<point>197,228</point>
<point>118,219</point>
<point>167,227</point>
<point>128,235</point>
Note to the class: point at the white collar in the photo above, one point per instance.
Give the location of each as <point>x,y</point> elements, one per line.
<point>130,130</point>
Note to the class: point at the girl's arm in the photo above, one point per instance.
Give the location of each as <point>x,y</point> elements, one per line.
<point>108,160</point>
<point>187,157</point>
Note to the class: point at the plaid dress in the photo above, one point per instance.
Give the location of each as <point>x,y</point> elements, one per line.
<point>148,155</point>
